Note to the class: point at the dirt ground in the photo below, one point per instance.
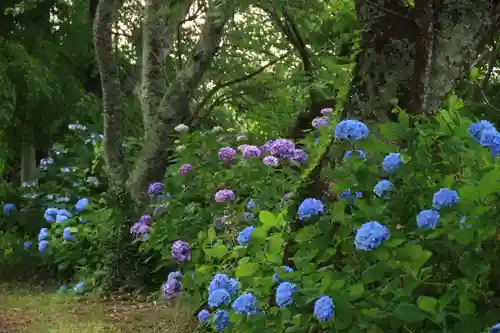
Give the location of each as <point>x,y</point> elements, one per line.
<point>31,310</point>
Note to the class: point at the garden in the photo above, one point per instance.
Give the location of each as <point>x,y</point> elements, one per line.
<point>179,189</point>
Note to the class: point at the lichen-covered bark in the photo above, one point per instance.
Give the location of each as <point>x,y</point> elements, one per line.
<point>113,115</point>
<point>158,35</point>
<point>413,56</point>
<point>153,158</point>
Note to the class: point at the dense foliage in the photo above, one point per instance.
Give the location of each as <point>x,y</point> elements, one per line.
<point>282,171</point>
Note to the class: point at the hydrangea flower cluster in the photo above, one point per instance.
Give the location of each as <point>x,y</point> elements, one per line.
<point>370,236</point>
<point>221,290</point>
<point>181,251</point>
<point>444,198</point>
<point>224,195</point>
<point>140,229</point>
<point>310,208</point>
<point>8,208</point>
<point>185,169</point>
<point>244,236</point>
<point>351,130</point>
<point>486,134</point>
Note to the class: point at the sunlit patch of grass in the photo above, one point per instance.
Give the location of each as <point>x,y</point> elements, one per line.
<point>31,310</point>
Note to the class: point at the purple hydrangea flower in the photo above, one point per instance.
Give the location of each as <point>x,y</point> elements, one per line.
<point>299,156</point>
<point>320,122</point>
<point>171,288</point>
<point>28,245</point>
<point>155,188</point>
<point>181,251</point>
<point>140,230</point>
<point>242,147</point>
<point>224,195</point>
<point>251,151</point>
<point>283,148</point>
<point>270,160</point>
<point>185,169</point>
<point>227,154</point>
<point>326,111</point>
<point>265,148</point>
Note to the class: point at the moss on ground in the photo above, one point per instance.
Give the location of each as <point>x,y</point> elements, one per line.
<point>33,310</point>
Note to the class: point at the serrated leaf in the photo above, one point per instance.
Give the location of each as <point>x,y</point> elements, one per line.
<point>307,233</point>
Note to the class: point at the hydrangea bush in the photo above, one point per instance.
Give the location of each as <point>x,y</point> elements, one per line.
<point>410,244</point>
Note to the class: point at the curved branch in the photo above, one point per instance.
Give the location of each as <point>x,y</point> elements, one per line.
<point>222,85</point>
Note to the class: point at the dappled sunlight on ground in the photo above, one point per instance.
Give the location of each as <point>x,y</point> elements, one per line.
<point>30,310</point>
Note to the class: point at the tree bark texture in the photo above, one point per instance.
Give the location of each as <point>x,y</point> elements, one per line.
<point>173,108</point>
<point>158,36</point>
<point>111,92</point>
<point>414,56</point>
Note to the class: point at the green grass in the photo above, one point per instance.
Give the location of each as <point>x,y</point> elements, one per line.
<point>32,310</point>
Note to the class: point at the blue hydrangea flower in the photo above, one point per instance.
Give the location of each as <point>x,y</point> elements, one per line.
<point>382,187</point>
<point>250,204</point>
<point>28,245</point>
<point>79,288</point>
<point>62,288</point>
<point>476,129</point>
<point>284,294</point>
<point>370,235</point>
<point>245,304</point>
<point>222,281</point>
<point>276,277</point>
<point>244,236</point>
<point>351,130</point>
<point>356,153</point>
<point>50,214</point>
<point>63,215</point>
<point>8,208</point>
<point>324,308</point>
<point>221,320</point>
<point>427,219</point>
<point>43,234</point>
<point>67,235</point>
<point>310,208</point>
<point>445,198</point>
<point>350,196</point>
<point>495,328</point>
<point>203,316</point>
<point>43,246</point>
<point>219,297</point>
<point>392,162</point>
<point>81,204</point>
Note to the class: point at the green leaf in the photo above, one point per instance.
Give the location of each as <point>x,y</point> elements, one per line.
<point>218,251</point>
<point>357,290</point>
<point>307,233</point>
<point>246,269</point>
<point>428,304</point>
<point>268,219</point>
<point>409,313</point>
<point>211,235</point>
<point>466,306</point>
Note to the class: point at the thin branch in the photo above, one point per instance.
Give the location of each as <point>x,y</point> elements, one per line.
<point>485,98</point>
<point>220,86</point>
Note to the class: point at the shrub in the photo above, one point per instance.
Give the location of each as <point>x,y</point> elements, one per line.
<point>418,254</point>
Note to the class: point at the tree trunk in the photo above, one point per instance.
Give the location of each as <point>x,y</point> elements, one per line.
<point>111,93</point>
<point>173,109</point>
<point>28,161</point>
<point>414,56</point>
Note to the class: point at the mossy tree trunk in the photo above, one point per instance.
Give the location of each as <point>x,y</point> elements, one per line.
<point>413,56</point>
